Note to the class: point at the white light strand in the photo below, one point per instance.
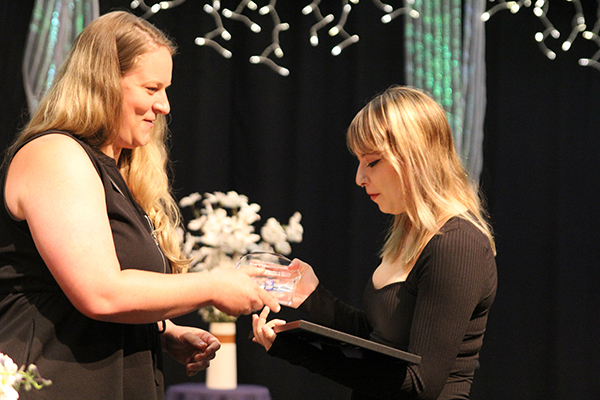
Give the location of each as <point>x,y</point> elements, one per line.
<point>321,21</point>
<point>214,10</point>
<point>541,11</point>
<point>207,40</point>
<point>153,9</point>
<point>238,16</point>
<point>578,25</point>
<point>274,47</point>
<point>513,6</point>
<point>392,14</point>
<point>593,35</point>
<point>338,29</point>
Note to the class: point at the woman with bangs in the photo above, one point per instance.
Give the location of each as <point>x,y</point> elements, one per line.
<point>436,282</point>
<point>91,265</point>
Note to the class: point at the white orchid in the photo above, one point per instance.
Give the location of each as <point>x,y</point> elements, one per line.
<point>294,230</point>
<point>223,230</point>
<point>12,378</point>
<point>8,378</point>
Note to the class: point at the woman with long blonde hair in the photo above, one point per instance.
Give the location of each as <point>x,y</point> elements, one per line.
<point>436,282</point>
<point>91,268</point>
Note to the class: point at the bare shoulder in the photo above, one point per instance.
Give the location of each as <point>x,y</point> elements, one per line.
<point>47,166</point>
<point>47,146</point>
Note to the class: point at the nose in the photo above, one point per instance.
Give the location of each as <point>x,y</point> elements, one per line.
<point>161,105</point>
<point>361,177</point>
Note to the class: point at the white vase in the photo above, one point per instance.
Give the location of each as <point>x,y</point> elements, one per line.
<point>222,373</point>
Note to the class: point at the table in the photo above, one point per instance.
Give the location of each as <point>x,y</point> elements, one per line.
<point>199,391</point>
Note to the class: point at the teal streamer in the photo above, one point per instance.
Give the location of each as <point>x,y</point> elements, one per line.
<point>445,56</point>
<point>54,26</point>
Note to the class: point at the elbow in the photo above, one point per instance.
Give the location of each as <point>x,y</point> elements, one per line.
<point>98,308</point>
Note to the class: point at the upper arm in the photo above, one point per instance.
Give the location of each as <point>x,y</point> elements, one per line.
<point>449,288</point>
<point>53,185</point>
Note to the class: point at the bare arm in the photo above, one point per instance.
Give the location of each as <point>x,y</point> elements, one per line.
<point>53,185</point>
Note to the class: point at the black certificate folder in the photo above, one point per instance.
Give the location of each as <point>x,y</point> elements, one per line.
<point>352,346</point>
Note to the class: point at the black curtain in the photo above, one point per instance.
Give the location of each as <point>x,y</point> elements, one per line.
<point>280,141</point>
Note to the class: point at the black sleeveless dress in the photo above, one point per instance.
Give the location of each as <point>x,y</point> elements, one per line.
<point>84,358</point>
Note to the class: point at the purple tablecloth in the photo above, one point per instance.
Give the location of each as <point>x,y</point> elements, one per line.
<point>199,391</point>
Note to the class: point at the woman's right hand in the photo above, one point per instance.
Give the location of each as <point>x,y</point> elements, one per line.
<point>263,330</point>
<point>235,292</point>
<point>307,283</point>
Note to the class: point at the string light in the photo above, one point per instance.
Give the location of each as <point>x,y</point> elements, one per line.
<point>153,9</point>
<point>207,40</point>
<point>392,14</point>
<point>578,25</point>
<point>513,6</point>
<point>541,10</point>
<point>274,48</point>
<point>321,21</point>
<point>237,14</point>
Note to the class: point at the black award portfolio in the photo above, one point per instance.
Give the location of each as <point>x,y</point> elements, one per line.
<point>351,346</point>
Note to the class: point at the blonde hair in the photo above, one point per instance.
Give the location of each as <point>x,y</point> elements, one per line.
<point>410,130</point>
<point>85,99</point>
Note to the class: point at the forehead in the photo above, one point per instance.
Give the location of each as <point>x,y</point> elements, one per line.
<point>156,64</point>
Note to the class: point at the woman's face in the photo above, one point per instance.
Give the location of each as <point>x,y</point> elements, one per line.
<point>382,183</point>
<point>144,97</point>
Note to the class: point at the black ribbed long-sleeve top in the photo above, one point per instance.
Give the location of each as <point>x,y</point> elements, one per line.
<point>440,313</point>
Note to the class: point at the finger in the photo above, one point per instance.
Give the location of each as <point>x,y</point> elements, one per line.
<point>258,321</point>
<point>295,264</point>
<point>270,301</point>
<point>252,270</point>
<point>265,313</point>
<point>193,369</point>
<point>194,340</point>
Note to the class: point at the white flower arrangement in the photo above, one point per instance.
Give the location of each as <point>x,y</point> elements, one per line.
<point>12,378</point>
<point>222,231</point>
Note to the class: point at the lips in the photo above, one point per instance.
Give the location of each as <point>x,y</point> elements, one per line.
<point>373,196</point>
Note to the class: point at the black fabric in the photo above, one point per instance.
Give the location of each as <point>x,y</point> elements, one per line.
<point>440,313</point>
<point>85,358</point>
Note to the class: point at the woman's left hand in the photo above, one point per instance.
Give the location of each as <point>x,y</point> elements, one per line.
<point>263,330</point>
<point>190,346</point>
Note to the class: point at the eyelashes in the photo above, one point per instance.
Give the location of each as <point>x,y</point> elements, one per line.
<point>373,163</point>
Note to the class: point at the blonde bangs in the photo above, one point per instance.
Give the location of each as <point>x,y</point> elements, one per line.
<point>409,129</point>
<point>367,131</point>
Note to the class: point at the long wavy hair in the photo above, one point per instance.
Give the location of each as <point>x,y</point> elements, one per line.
<point>85,99</point>
<point>410,130</point>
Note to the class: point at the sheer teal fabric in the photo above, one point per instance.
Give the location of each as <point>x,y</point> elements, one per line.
<point>445,55</point>
<point>54,26</point>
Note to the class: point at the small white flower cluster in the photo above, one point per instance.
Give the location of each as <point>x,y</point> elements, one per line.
<point>12,377</point>
<point>223,230</point>
<point>9,378</point>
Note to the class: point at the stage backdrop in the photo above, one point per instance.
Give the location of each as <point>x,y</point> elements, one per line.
<point>280,141</point>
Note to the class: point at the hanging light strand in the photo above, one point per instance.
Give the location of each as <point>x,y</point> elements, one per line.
<point>211,39</point>
<point>540,10</point>
<point>593,35</point>
<point>153,9</point>
<point>274,47</point>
